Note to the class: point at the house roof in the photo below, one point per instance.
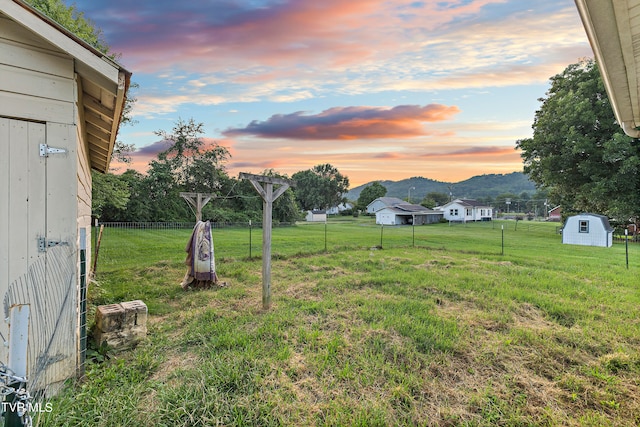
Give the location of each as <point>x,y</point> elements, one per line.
<point>103,83</point>
<point>388,201</point>
<point>613,30</point>
<point>467,203</point>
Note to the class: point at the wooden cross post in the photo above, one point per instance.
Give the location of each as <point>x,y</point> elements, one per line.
<point>198,201</point>
<point>264,186</point>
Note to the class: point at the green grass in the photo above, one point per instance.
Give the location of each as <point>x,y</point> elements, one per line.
<point>435,328</point>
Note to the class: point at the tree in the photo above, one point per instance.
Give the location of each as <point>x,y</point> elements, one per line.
<point>73,20</point>
<point>138,208</point>
<point>369,194</point>
<point>434,198</point>
<point>244,203</point>
<point>196,167</point>
<point>110,193</point>
<point>320,187</point>
<point>578,151</point>
<point>505,202</point>
<point>163,193</point>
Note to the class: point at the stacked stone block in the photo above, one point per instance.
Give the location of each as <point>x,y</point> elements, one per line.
<point>122,325</point>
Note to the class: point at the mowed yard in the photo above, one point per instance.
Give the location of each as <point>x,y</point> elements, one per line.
<point>435,325</point>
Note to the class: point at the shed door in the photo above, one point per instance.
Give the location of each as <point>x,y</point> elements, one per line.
<point>22,205</point>
<point>31,270</point>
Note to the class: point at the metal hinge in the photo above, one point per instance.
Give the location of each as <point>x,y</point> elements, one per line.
<point>45,150</point>
<point>43,244</point>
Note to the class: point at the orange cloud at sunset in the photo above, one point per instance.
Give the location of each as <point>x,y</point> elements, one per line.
<point>403,121</point>
<point>381,90</point>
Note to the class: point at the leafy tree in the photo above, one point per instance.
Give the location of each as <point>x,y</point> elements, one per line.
<point>138,208</point>
<point>194,166</point>
<point>505,202</point>
<point>73,20</point>
<point>321,187</point>
<point>370,193</point>
<point>110,193</point>
<point>578,151</point>
<point>243,203</point>
<point>434,198</point>
<point>163,193</point>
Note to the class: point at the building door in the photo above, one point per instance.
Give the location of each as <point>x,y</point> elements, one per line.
<point>37,251</point>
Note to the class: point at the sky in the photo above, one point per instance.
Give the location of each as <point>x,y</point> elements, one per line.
<point>381,90</point>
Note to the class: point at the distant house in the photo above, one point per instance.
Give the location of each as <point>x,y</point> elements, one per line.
<point>316,216</point>
<point>383,202</point>
<point>340,208</point>
<point>407,214</point>
<point>555,214</point>
<point>464,210</point>
<point>588,229</point>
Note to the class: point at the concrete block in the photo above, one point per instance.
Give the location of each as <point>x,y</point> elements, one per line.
<point>135,314</point>
<point>121,325</point>
<point>110,317</point>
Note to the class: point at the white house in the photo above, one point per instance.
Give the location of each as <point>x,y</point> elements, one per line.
<point>406,214</point>
<point>316,216</point>
<point>383,202</point>
<point>464,210</point>
<point>61,103</point>
<point>340,208</point>
<point>588,229</point>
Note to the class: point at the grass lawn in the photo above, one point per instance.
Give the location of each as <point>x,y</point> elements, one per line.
<point>437,325</point>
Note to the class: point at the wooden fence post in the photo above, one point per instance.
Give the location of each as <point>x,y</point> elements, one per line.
<point>264,186</point>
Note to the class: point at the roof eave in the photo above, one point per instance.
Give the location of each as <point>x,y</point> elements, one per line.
<point>610,33</point>
<point>109,80</point>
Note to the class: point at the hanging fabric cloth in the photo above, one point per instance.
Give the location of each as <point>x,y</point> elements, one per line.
<point>201,272</point>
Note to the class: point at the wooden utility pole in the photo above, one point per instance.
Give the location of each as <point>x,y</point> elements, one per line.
<point>264,186</point>
<point>198,201</point>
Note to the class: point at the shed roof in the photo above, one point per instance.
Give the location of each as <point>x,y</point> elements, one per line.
<point>603,219</point>
<point>410,209</point>
<point>103,83</point>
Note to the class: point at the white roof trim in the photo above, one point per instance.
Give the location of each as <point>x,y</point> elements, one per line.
<point>611,33</point>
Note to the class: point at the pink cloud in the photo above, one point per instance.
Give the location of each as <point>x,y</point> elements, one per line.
<point>164,34</point>
<point>346,123</point>
<point>474,151</point>
<point>387,156</point>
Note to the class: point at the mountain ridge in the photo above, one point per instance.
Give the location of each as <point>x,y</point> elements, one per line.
<point>479,186</point>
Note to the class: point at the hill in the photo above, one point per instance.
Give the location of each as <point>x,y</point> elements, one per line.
<point>490,185</point>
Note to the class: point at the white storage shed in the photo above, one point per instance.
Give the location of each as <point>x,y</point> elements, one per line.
<point>407,214</point>
<point>61,103</point>
<point>588,229</point>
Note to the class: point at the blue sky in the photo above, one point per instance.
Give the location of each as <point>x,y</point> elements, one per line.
<point>379,89</point>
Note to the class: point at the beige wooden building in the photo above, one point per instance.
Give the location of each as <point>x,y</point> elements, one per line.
<point>61,103</point>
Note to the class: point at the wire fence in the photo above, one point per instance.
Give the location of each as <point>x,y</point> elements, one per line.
<point>244,240</point>
<point>39,364</point>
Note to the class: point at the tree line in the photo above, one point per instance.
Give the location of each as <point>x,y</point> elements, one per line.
<point>190,165</point>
